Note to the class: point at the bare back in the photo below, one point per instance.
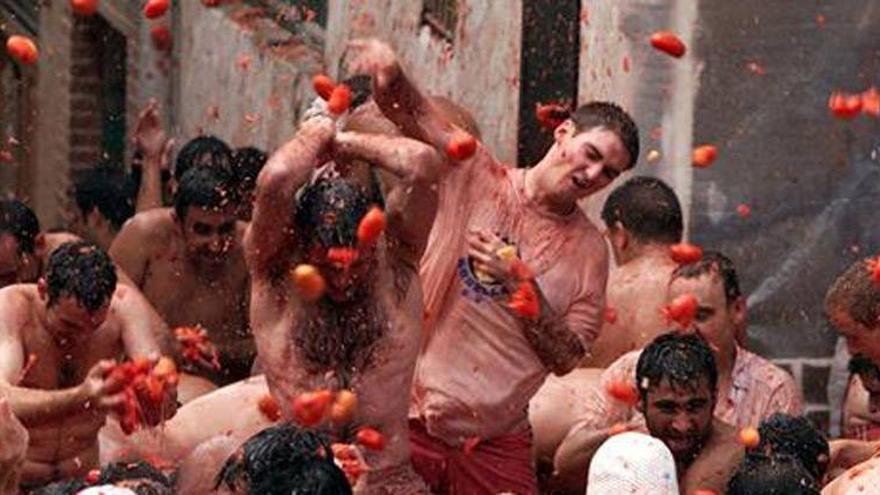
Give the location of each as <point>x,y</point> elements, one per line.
<point>636,293</point>
<point>150,250</point>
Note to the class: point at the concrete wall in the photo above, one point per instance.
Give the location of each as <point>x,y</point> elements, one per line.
<point>618,64</point>
<point>811,179</point>
<point>239,77</point>
<point>479,70</point>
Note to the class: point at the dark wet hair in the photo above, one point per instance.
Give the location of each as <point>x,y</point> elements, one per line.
<point>683,359</point>
<point>717,263</point>
<point>147,480</point>
<point>771,475</point>
<point>612,117</point>
<point>361,89</point>
<point>67,487</point>
<point>855,293</point>
<point>861,365</point>
<point>202,151</point>
<point>246,166</point>
<point>329,211</point>
<point>795,436</point>
<point>646,207</point>
<point>83,271</point>
<point>319,477</point>
<point>19,221</point>
<point>270,462</point>
<point>204,187</point>
<point>109,191</point>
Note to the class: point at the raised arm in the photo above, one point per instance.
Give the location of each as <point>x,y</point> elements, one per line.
<point>411,202</point>
<point>150,139</point>
<point>398,98</point>
<point>271,228</point>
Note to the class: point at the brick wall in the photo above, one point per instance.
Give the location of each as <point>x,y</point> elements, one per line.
<point>86,117</point>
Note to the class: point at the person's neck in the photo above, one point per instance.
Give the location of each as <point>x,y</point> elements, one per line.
<point>539,192</point>
<point>104,238</point>
<point>653,253</point>
<point>726,361</point>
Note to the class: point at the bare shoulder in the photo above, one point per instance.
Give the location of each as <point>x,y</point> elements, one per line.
<point>150,224</point>
<point>16,302</point>
<point>54,239</point>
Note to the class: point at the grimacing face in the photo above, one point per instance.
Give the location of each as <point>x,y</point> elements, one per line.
<point>590,160</point>
<point>681,417</point>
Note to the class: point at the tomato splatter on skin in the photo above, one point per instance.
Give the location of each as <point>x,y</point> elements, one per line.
<point>610,315</point>
<point>269,407</point>
<point>623,392</point>
<point>681,310</point>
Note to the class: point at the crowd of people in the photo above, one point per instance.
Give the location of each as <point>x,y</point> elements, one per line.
<point>369,309</point>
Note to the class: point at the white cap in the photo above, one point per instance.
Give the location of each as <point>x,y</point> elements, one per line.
<point>106,490</point>
<point>632,464</point>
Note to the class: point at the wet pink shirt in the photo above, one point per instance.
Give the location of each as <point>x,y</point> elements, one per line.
<point>759,389</point>
<point>477,371</point>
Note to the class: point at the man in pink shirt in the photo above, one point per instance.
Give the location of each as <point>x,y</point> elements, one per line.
<point>750,388</point>
<point>481,362</point>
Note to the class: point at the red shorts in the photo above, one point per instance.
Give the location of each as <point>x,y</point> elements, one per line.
<point>499,465</point>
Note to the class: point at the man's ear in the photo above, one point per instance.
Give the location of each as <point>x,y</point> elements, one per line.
<point>643,398</point>
<point>40,242</point>
<point>43,289</point>
<point>95,219</point>
<point>563,130</point>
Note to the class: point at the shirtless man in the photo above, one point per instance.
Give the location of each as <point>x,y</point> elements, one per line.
<point>59,337</point>
<point>188,262</point>
<point>750,388</point>
<point>482,362</point>
<point>852,305</point>
<point>677,382</point>
<point>365,332</point>
<point>102,203</point>
<point>13,448</point>
<point>642,218</point>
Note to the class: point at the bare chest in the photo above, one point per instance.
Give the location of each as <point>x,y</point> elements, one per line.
<point>49,366</point>
<point>185,298</point>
